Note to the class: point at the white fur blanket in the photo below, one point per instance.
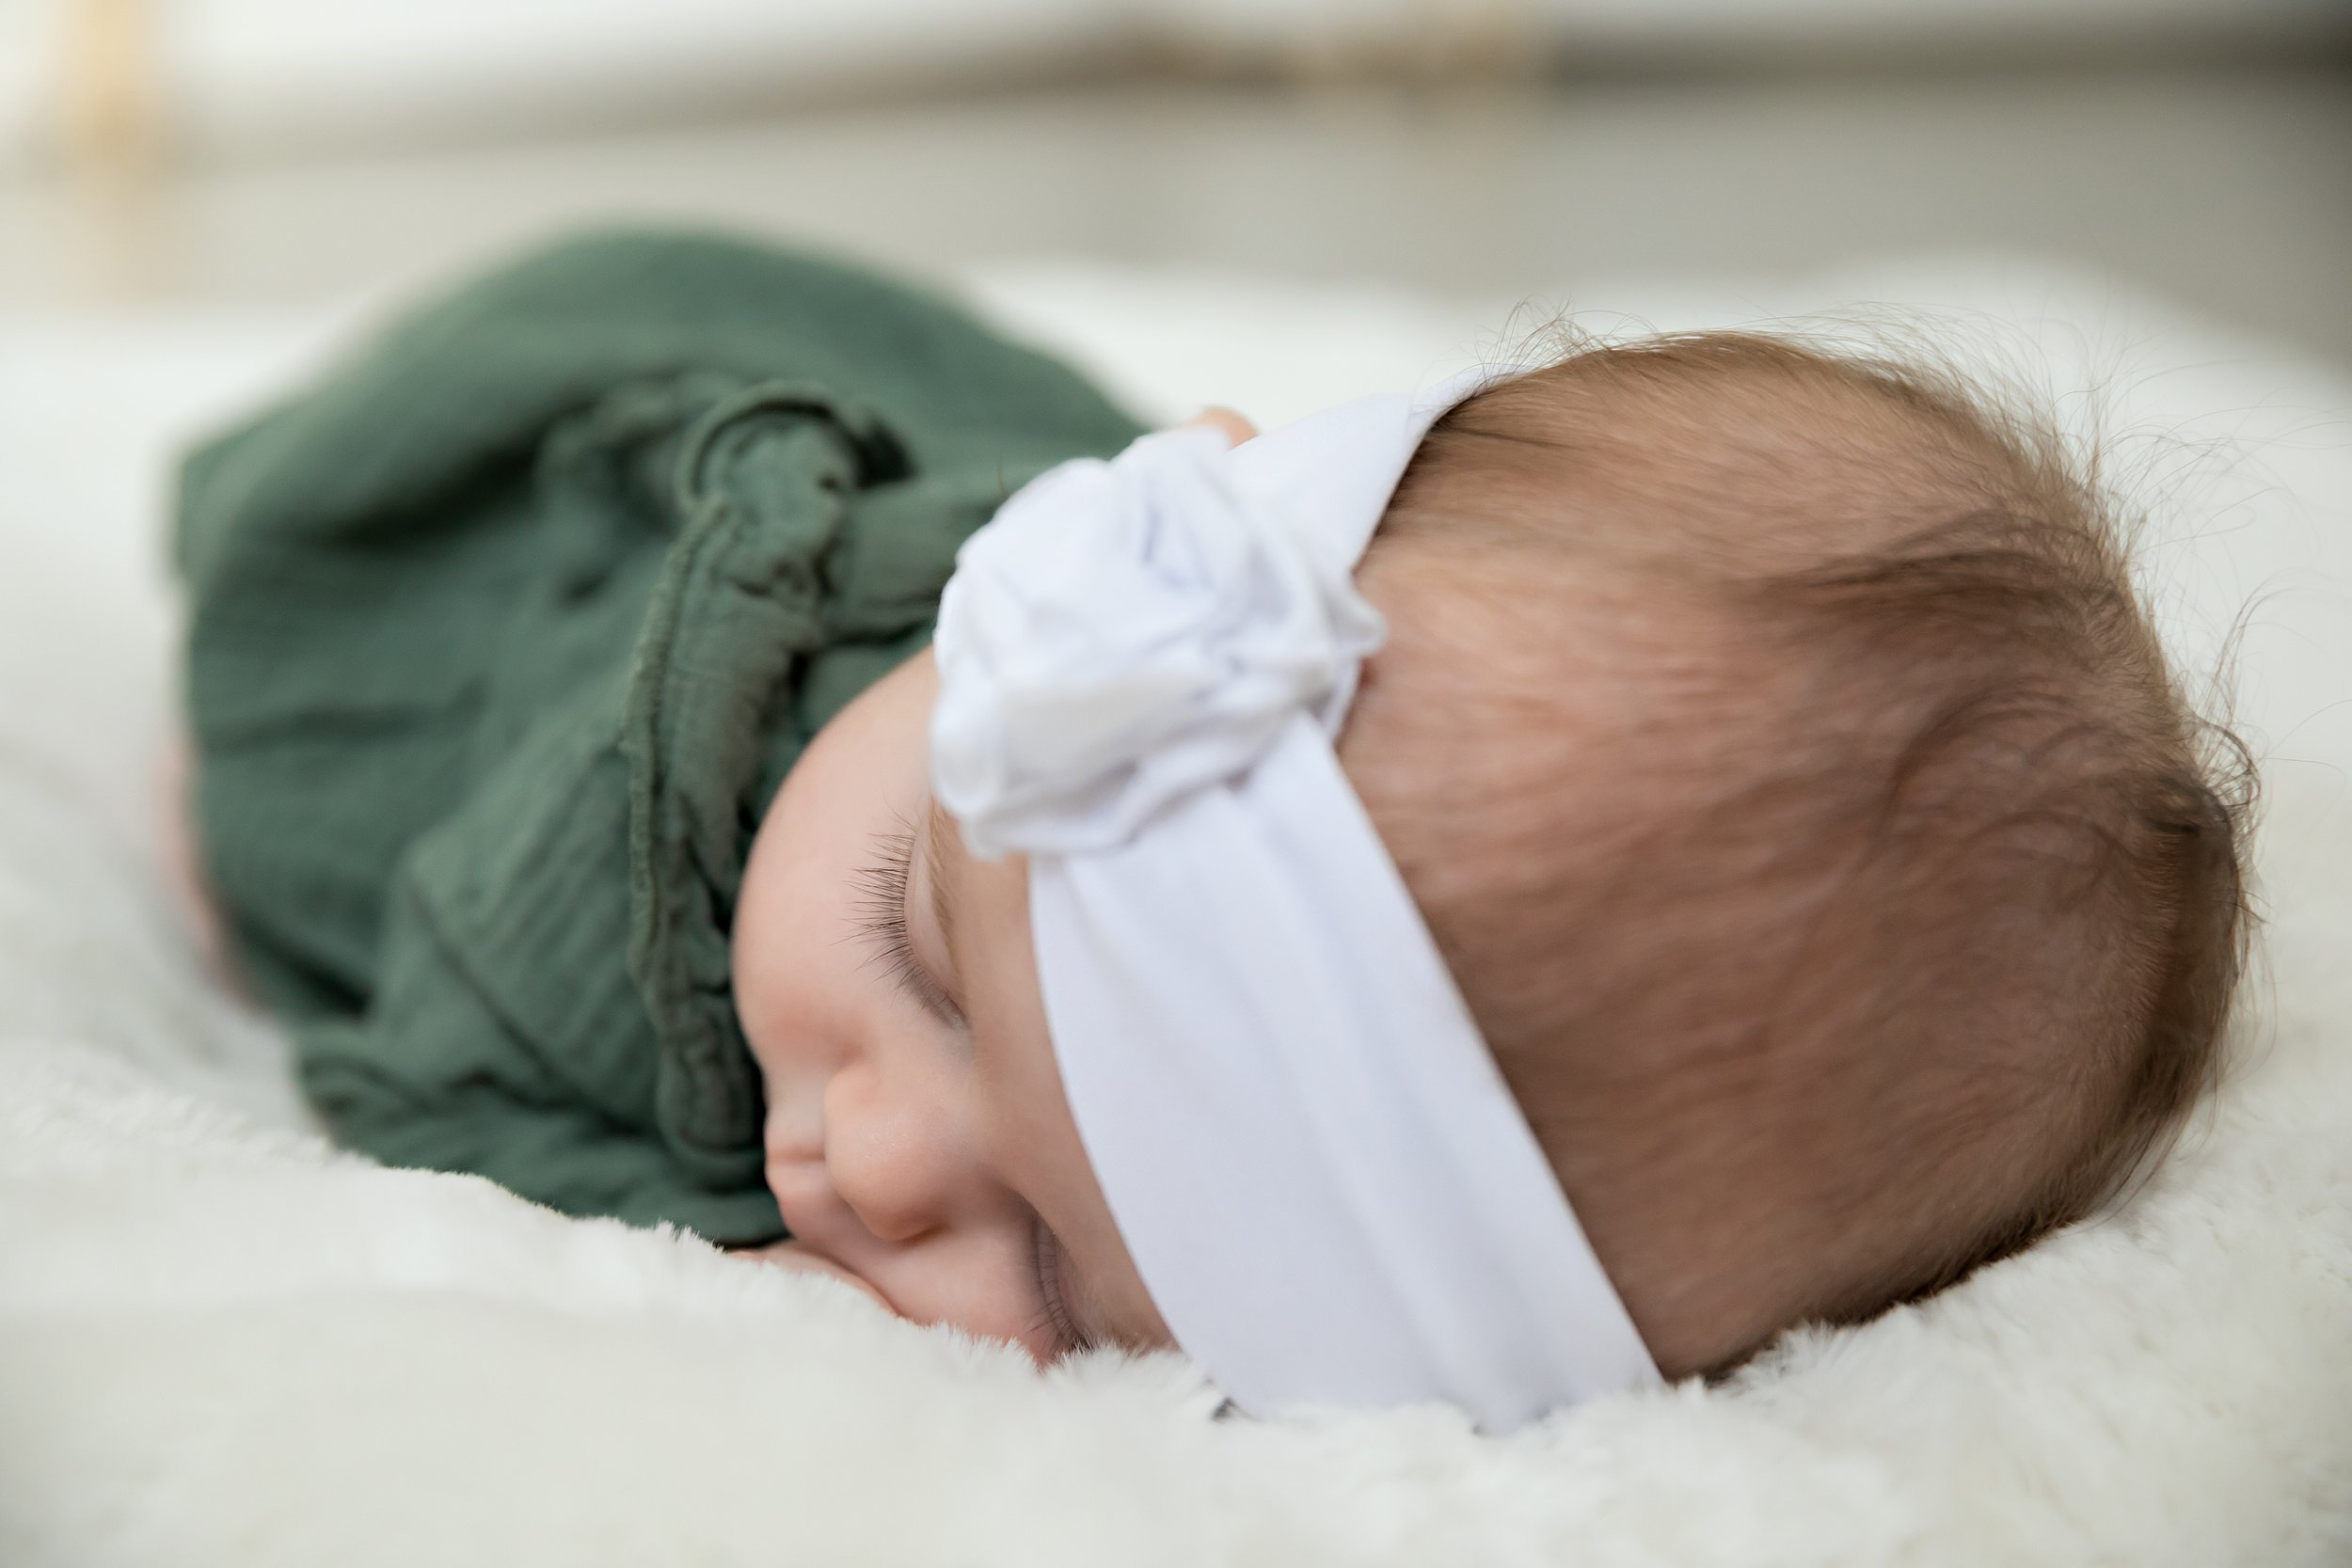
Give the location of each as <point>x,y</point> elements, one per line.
<point>223,1343</point>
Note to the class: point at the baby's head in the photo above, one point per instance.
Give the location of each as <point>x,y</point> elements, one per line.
<point>1774,750</point>
<point>1774,746</point>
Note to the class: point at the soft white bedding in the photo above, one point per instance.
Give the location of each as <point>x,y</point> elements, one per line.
<point>221,1342</point>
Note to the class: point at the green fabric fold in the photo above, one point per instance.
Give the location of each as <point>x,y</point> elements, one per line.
<point>504,634</point>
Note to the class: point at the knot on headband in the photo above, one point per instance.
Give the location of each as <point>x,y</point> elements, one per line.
<point>1124,633</point>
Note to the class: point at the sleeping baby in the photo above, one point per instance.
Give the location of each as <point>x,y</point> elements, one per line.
<point>1500,894</point>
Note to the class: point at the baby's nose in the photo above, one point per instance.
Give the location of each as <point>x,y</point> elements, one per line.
<point>899,1163</point>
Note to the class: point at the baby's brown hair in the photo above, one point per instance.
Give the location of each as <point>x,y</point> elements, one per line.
<point>1776,748</point>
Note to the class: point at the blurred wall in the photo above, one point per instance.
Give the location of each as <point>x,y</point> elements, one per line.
<point>214,78</point>
<point>221,152</point>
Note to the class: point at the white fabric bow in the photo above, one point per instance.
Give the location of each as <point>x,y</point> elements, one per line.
<point>1123,633</point>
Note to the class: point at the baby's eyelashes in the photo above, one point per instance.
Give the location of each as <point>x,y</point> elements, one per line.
<point>886,926</point>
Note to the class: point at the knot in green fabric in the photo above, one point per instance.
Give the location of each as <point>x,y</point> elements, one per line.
<point>765,482</point>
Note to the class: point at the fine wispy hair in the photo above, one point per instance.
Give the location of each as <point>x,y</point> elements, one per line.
<point>1848,888</point>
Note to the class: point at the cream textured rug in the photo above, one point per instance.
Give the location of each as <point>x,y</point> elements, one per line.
<point>223,1343</point>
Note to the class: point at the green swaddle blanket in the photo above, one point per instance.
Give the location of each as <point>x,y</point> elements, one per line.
<point>503,636</point>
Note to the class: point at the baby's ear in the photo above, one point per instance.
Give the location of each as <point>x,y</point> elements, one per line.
<point>1237,426</point>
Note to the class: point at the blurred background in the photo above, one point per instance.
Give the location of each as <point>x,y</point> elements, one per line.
<point>214,151</point>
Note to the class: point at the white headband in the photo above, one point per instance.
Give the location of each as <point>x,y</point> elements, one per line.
<point>1323,1178</point>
